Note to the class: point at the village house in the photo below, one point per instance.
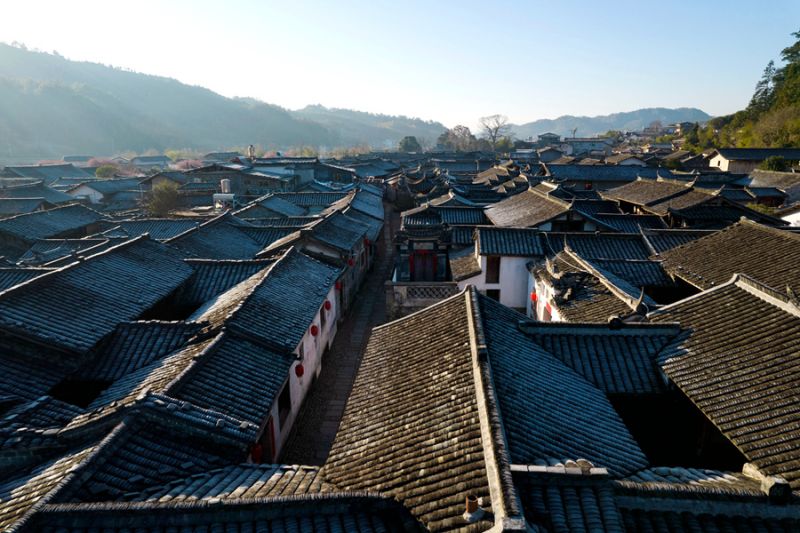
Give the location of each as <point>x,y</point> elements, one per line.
<point>572,289</point>
<point>601,177</point>
<point>504,386</point>
<point>19,232</point>
<point>148,162</point>
<point>590,146</point>
<point>745,160</point>
<point>496,265</point>
<point>104,191</point>
<point>34,189</point>
<point>762,252</point>
<point>682,204</point>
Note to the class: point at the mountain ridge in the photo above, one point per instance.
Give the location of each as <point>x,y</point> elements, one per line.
<point>51,106</point>
<point>623,121</point>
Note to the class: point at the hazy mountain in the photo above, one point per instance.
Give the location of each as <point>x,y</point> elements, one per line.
<point>627,121</point>
<point>50,106</point>
<point>358,127</point>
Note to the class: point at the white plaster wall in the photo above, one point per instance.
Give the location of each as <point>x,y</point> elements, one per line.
<point>513,281</point>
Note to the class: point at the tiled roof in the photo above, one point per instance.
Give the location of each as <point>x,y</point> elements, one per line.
<point>575,172</point>
<point>212,277</point>
<point>591,207</point>
<point>600,245</point>
<point>733,518</point>
<point>75,306</point>
<point>537,393</point>
<point>645,192</point>
<point>689,479</point>
<point>521,242</point>
<point>244,481</point>
<point>154,447</point>
<point>237,377</point>
<point>781,180</point>
<point>566,503</point>
<point>499,398</point>
<point>526,209</point>
<point>702,506</point>
<point>460,215</point>
<point>616,361</point>
<point>281,222</point>
<point>316,513</point>
<point>131,389</point>
<point>25,378</point>
<point>462,235</point>
<point>663,240</point>
<point>581,295</point>
<point>265,236</point>
<point>368,203</point>
<point>340,231</point>
<point>627,223</point>
<point>39,191</point>
<point>375,226</point>
<point>280,304</point>
<point>16,206</point>
<point>690,199</point>
<point>273,204</point>
<point>389,442</point>
<point>111,186</point>
<point>312,199</point>
<point>739,365</point>
<point>134,345</point>
<point>159,229</point>
<point>47,172</point>
<point>464,264</point>
<point>18,495</point>
<point>764,253</point>
<point>637,272</point>
<point>50,223</point>
<point>44,251</point>
<point>10,276</point>
<point>218,238</point>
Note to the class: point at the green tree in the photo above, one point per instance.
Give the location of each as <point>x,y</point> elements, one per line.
<point>776,162</point>
<point>504,144</point>
<point>163,199</point>
<point>409,143</point>
<point>765,88</point>
<point>106,171</point>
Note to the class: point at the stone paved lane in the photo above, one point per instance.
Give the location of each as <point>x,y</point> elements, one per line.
<point>318,420</point>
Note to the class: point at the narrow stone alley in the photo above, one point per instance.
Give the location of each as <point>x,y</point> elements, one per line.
<point>319,418</point>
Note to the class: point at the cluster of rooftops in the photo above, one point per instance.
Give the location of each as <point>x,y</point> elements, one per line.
<point>151,369</point>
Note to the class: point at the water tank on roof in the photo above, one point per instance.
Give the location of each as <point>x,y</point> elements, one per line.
<point>225,185</point>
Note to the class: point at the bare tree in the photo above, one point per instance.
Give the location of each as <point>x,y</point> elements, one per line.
<point>495,127</point>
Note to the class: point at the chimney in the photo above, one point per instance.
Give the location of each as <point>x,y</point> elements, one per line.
<point>473,511</point>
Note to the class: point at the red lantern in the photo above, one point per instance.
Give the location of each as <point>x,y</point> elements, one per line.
<point>327,305</point>
<point>533,296</point>
<point>338,285</point>
<point>350,262</point>
<point>299,370</point>
<point>314,330</point>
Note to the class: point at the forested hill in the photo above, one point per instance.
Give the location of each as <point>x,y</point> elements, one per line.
<point>357,127</point>
<point>772,118</point>
<point>51,106</point>
<point>626,121</point>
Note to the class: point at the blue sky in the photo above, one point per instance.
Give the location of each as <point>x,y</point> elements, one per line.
<point>447,61</point>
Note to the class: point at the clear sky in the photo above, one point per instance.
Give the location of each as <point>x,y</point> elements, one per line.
<point>450,61</point>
